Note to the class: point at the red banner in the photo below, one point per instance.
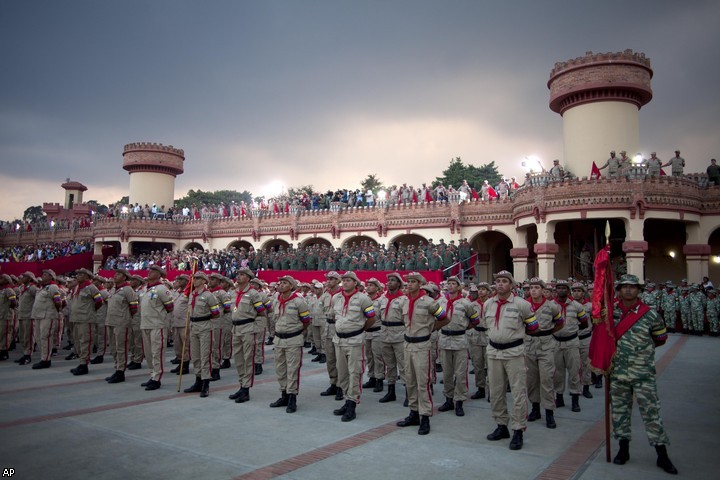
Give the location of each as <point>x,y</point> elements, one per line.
<point>60,265</point>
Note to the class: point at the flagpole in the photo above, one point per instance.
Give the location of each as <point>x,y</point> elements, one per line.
<point>187,321</point>
<point>609,307</point>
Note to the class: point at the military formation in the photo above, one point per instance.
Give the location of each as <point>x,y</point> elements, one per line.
<point>530,339</point>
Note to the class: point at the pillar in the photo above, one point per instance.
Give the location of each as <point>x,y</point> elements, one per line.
<point>520,263</point>
<point>697,256</point>
<point>546,259</point>
<point>635,257</point>
<point>483,268</point>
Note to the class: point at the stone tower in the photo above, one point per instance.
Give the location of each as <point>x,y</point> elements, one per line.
<point>153,168</point>
<point>599,97</point>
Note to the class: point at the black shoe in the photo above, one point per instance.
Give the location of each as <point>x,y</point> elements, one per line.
<point>313,351</point>
<point>349,414</point>
<point>97,360</point>
<point>214,374</point>
<point>623,454</point>
<point>94,349</point>
<point>292,403</point>
<point>370,383</point>
<point>24,360</point>
<point>306,345</point>
<point>378,386</point>
<point>269,340</point>
<point>499,433</point>
<point>134,366</point>
<point>447,406</point>
<point>390,395</point>
<point>438,368</point>
<point>410,420</point>
<point>205,389</point>
<point>559,401</point>
<point>117,377</point>
<point>195,387</point>
<point>145,384</point>
<point>235,395</point>
<point>586,391</point>
<point>225,364</point>
<point>19,359</point>
<point>81,369</point>
<point>517,440</point>
<point>534,413</point>
<point>280,402</point>
<point>258,369</point>
<point>323,358</point>
<point>185,367</point>
<point>663,461</point>
<point>332,390</point>
<point>550,419</point>
<point>459,412</point>
<point>575,402</point>
<point>42,364</point>
<point>424,425</point>
<point>71,356</point>
<point>54,352</point>
<point>69,346</point>
<point>343,409</point>
<point>152,385</point>
<point>598,382</point>
<point>4,355</point>
<point>317,358</point>
<point>244,395</point>
<point>339,395</point>
<point>175,361</point>
<point>479,394</point>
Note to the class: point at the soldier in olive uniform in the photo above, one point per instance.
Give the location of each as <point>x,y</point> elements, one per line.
<point>477,339</point>
<point>135,346</point>
<point>612,164</point>
<point>332,289</point>
<point>219,328</point>
<point>204,307</point>
<point>86,299</point>
<point>669,306</point>
<point>99,340</point>
<point>156,304</point>
<point>8,302</point>
<point>712,309</point>
<point>26,299</point>
<point>567,354</point>
<point>373,339</point>
<point>122,305</point>
<point>392,334</point>
<point>46,312</point>
<point>697,301</point>
<point>179,319</point>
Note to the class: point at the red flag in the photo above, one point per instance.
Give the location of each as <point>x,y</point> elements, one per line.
<point>595,172</point>
<point>428,197</point>
<point>662,172</point>
<point>602,342</point>
<point>491,192</point>
<point>189,287</point>
<point>474,194</point>
<point>287,207</point>
<point>414,197</point>
<point>276,209</point>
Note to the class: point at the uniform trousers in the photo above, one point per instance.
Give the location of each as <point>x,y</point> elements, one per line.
<point>226,337</point>
<point>100,338</point>
<point>201,348</point>
<point>47,336</point>
<point>331,362</point>
<point>585,375</point>
<point>477,357</point>
<point>178,341</point>
<point>455,373</point>
<point>622,388</point>
<point>394,358</point>
<point>500,371</point>
<point>244,346</point>
<point>82,333</point>
<point>567,364</point>
<point>317,339</point>
<point>217,334</point>
<point>419,365</point>
<point>350,368</point>
<point>540,362</point>
<point>25,332</point>
<point>6,331</point>
<point>154,347</point>
<point>119,338</point>
<point>136,344</point>
<point>376,363</point>
<point>288,360</point>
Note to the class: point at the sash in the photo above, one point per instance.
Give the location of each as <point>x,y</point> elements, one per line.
<point>630,319</point>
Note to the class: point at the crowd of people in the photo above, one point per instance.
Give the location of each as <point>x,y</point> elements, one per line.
<point>44,251</point>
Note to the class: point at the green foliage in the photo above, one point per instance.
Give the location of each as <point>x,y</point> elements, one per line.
<point>34,214</point>
<point>371,182</point>
<point>293,191</point>
<point>97,207</point>
<point>457,171</point>
<point>198,197</point>
<point>123,201</point>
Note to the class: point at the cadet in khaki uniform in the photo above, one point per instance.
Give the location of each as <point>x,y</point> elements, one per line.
<point>393,333</point>
<point>578,292</point>
<point>477,338</point>
<point>155,305</point>
<point>508,318</point>
<point>453,346</point>
<point>122,305</point>
<point>204,307</point>
<point>26,324</point>
<point>247,308</point>
<point>319,323</point>
<point>567,355</point>
<point>46,312</point>
<point>353,312</point>
<point>216,288</point>
<point>293,318</point>
<point>421,315</point>
<point>135,345</point>
<point>86,299</point>
<point>8,302</point>
<point>99,338</point>
<point>540,354</point>
<point>227,327</point>
<point>179,318</point>
<point>333,288</point>
<point>261,324</point>
<point>373,339</point>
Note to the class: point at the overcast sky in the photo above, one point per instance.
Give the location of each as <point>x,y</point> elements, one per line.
<point>324,92</point>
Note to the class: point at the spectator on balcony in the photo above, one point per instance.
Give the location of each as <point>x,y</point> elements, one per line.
<point>677,164</point>
<point>557,171</point>
<point>654,165</point>
<point>625,161</point>
<point>503,188</point>
<point>612,164</point>
<point>713,173</point>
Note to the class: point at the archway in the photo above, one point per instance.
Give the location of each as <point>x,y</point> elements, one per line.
<point>274,245</point>
<point>323,242</point>
<point>493,254</point>
<point>194,246</point>
<point>664,259</point>
<point>240,244</point>
<point>139,248</point>
<point>408,239</point>
<point>358,241</point>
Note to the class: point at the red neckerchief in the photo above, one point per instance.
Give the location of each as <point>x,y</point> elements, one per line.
<point>390,297</point>
<point>500,303</point>
<point>563,306</point>
<point>80,286</point>
<point>628,316</point>
<point>283,301</point>
<point>150,285</point>
<point>450,302</point>
<point>240,295</point>
<point>194,297</point>
<point>412,305</point>
<point>481,302</point>
<point>536,306</point>
<point>347,298</point>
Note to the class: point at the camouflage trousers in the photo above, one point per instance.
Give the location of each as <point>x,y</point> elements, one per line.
<point>643,386</point>
<point>697,320</point>
<point>685,318</point>
<point>713,321</point>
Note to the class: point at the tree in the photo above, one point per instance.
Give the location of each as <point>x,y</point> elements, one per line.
<point>97,207</point>
<point>34,214</point>
<point>294,191</point>
<point>198,197</point>
<point>486,172</point>
<point>475,176</point>
<point>453,175</point>
<point>371,182</point>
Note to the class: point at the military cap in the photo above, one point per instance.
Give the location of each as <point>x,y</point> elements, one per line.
<point>293,283</point>
<point>246,271</point>
<point>217,276</point>
<point>182,276</point>
<point>29,275</point>
<point>257,282</point>
<point>376,282</point>
<point>504,274</point>
<point>6,277</point>
<point>455,279</point>
<point>85,271</point>
<point>416,276</point>
<point>579,285</point>
<point>430,287</point>
<point>317,284</point>
<point>137,278</point>
<point>612,151</point>
<point>124,272</point>
<point>333,274</point>
<point>201,275</point>
<point>622,152</point>
<point>473,288</point>
<point>483,285</point>
<point>628,279</point>
<point>536,281</point>
<point>158,269</point>
<point>350,274</point>
<point>396,275</point>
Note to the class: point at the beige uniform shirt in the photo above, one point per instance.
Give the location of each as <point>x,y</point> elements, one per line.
<point>8,299</point>
<point>419,316</point>
<point>203,304</point>
<point>122,304</point>
<point>247,306</point>
<point>573,312</point>
<point>292,315</point>
<point>48,302</point>
<point>463,316</point>
<point>508,323</point>
<point>84,299</point>
<point>391,316</point>
<point>101,313</point>
<point>26,301</point>
<point>155,305</point>
<point>180,309</point>
<point>350,313</point>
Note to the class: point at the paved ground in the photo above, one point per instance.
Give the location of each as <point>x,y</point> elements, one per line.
<point>54,425</point>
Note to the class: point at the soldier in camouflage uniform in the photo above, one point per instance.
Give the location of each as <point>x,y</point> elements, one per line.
<point>684,308</point>
<point>713,310</point>
<point>640,329</point>
<point>649,297</point>
<point>669,304</point>
<point>697,301</point>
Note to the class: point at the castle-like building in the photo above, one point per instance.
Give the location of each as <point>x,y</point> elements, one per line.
<point>660,227</point>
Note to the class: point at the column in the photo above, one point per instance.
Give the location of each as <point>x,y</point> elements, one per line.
<point>697,256</point>
<point>482,267</point>
<point>635,257</point>
<point>520,263</point>
<point>546,259</point>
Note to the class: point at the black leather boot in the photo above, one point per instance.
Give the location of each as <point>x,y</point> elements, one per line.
<point>424,425</point>
<point>341,410</point>
<point>81,369</point>
<point>575,402</point>
<point>559,400</point>
<point>378,385</point>
<point>586,391</point>
<point>663,461</point>
<point>214,374</point>
<point>258,369</point>
<point>390,395</point>
<point>98,359</point>
<point>410,420</point>
<point>517,440</point>
<point>598,381</point>
<point>479,394</point>
<point>331,391</point>
<point>195,387</point>
<point>152,385</point>
<point>244,395</point>
<point>623,454</point>
<point>339,395</point>
<point>205,390</point>
<point>225,363</point>
<point>323,358</point>
<point>459,412</point>
<point>26,359</point>
<point>350,413</point>
<point>550,419</point>
<point>370,383</point>
<point>447,406</point>
<point>269,340</point>
<point>292,403</point>
<point>313,351</point>
<point>499,433</point>
<point>317,357</point>
<point>235,395</point>
<point>41,364</point>
<point>406,402</point>
<point>175,361</point>
<point>117,377</point>
<point>281,402</point>
<point>535,412</point>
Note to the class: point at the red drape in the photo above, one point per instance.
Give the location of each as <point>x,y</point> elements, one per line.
<point>60,265</point>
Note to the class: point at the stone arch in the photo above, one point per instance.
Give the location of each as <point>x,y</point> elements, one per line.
<point>357,239</point>
<point>240,244</point>
<point>275,245</point>
<point>493,254</point>
<point>407,239</point>
<point>316,241</point>
<point>194,246</point>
